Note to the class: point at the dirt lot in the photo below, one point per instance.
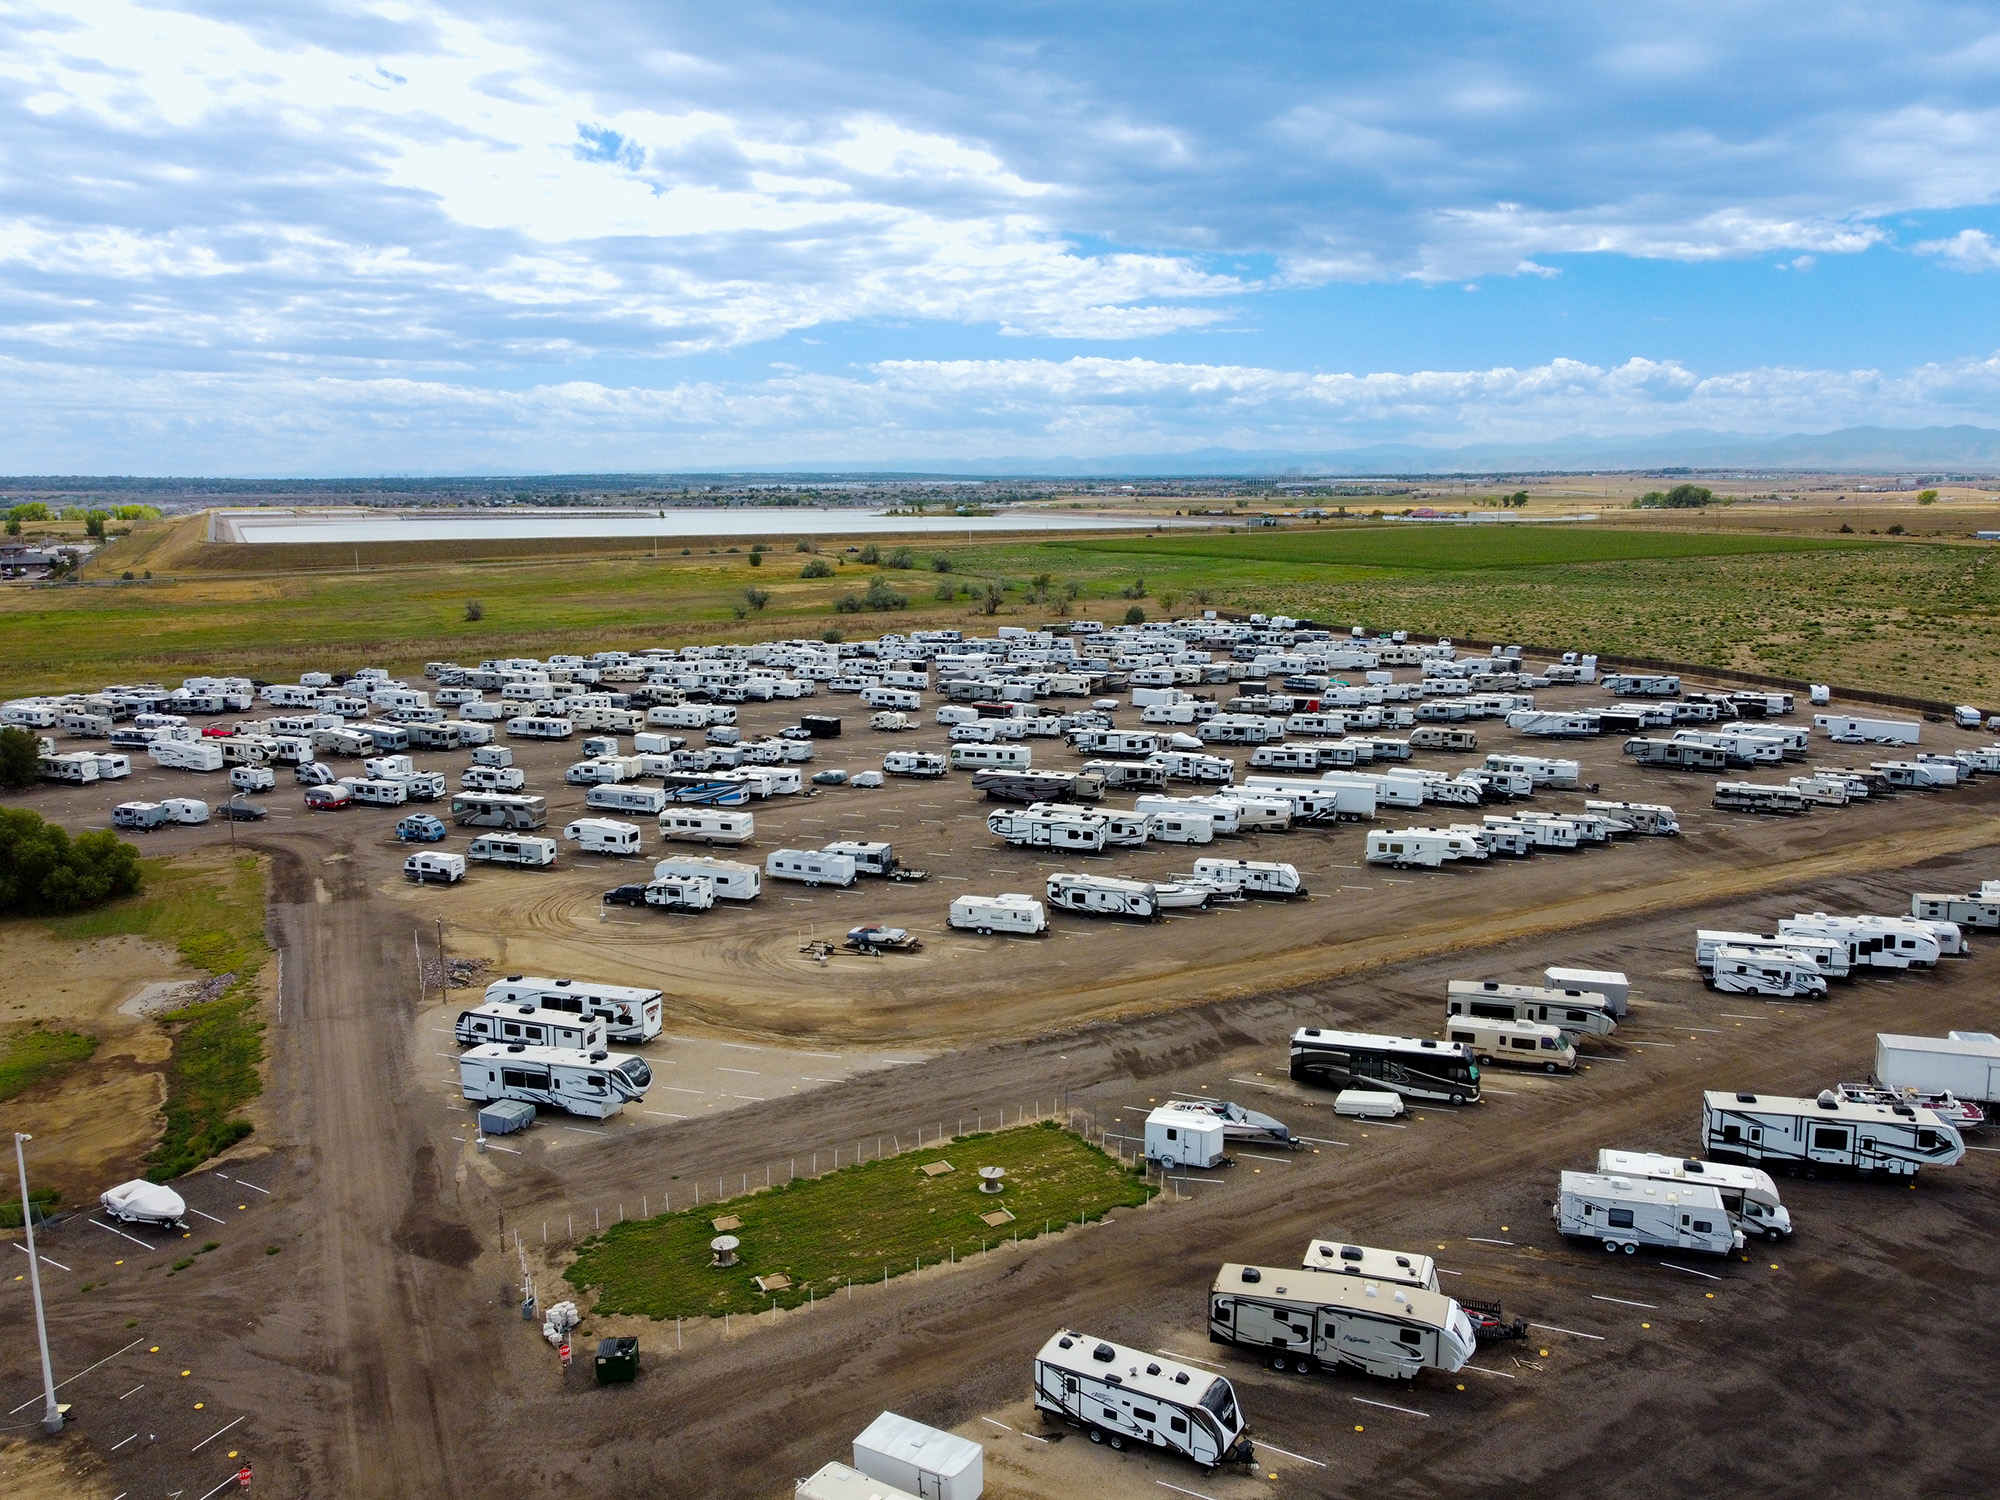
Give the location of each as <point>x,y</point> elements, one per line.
<point>378,1350</point>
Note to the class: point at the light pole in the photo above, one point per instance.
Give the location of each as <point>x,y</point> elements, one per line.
<point>52,1417</point>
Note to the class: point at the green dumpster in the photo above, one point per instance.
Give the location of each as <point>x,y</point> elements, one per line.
<point>617,1360</point>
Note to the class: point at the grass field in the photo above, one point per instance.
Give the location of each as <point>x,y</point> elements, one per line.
<point>1900,615</point>
<point>214,915</point>
<point>852,1225</point>
<point>34,1054</point>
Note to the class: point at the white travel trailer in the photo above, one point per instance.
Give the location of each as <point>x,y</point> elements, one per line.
<point>112,767</point>
<point>530,1025</point>
<point>185,810</point>
<point>1256,812</point>
<point>1395,1267</point>
<point>1965,1063</point>
<point>1574,1012</point>
<point>603,836</point>
<point>540,727</point>
<point>1258,877</point>
<point>498,810</point>
<point>374,793</point>
<point>139,815</point>
<point>492,779</point>
<point>629,1014</point>
<point>1426,848</point>
<point>920,763</point>
<point>733,881</point>
<point>604,769</point>
<point>1520,1044</point>
<point>1010,912</point>
<point>892,697</point>
<point>1878,943</point>
<point>1684,755</point>
<point>707,825</point>
<point>79,768</point>
<point>989,757</point>
<point>1778,973</point>
<point>809,867</point>
<point>1048,830</point>
<point>1190,765</point>
<point>1827,1131</point>
<point>1181,826</point>
<point>1307,1321</point>
<point>891,722</point>
<point>1623,1213</point>
<point>1224,817</point>
<point>596,1084</point>
<point>649,800</point>
<point>1562,774</point>
<point>427,865</point>
<point>1748,1195</point>
<point>1640,817</point>
<point>1828,956</point>
<point>525,850</point>
<point>1103,895</point>
<point>1851,729</point>
<point>1120,1396</point>
<point>1184,1135</point>
<point>186,755</point>
<point>1610,983</point>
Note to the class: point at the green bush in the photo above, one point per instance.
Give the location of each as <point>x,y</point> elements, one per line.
<point>869,554</point>
<point>20,758</point>
<point>819,567</point>
<point>1135,616</point>
<point>941,563</point>
<point>902,557</point>
<point>756,559</point>
<point>42,869</point>
<point>1680,497</point>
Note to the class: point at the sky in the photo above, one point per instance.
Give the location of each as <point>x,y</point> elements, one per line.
<point>374,238</point>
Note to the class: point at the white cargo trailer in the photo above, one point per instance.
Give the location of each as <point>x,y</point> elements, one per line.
<point>1623,1213</point>
<point>1305,1320</point>
<point>810,867</point>
<point>1120,1396</point>
<point>922,1460</point>
<point>1184,1135</point>
<point>1610,983</point>
<point>1827,1131</point>
<point>1965,1063</point>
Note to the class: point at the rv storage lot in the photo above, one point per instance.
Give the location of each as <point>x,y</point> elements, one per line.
<point>402,1368</point>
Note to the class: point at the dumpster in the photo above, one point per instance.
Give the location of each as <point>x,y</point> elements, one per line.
<point>617,1360</point>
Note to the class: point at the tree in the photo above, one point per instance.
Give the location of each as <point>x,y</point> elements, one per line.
<point>1680,497</point>
<point>991,598</point>
<point>1136,589</point>
<point>13,526</point>
<point>902,557</point>
<point>946,589</point>
<point>1135,616</point>
<point>20,758</point>
<point>31,510</point>
<point>869,554</point>
<point>756,598</point>
<point>941,563</point>
<point>1927,497</point>
<point>93,524</point>
<point>43,870</point>
<point>819,567</point>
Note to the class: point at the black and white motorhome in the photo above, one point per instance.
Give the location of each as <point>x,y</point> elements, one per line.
<point>629,1014</point>
<point>1577,1013</point>
<point>1827,1132</point>
<point>595,1084</point>
<point>1120,1396</point>
<point>1623,1213</point>
<point>1306,1320</point>
<point>529,1024</point>
<point>1419,1068</point>
<point>1749,1196</point>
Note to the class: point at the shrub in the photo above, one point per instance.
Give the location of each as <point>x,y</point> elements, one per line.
<point>946,589</point>
<point>804,545</point>
<point>93,524</point>
<point>941,563</point>
<point>1847,529</point>
<point>126,576</point>
<point>819,567</point>
<point>1135,616</point>
<point>1680,497</point>
<point>756,598</point>
<point>756,559</point>
<point>869,553</point>
<point>1896,530</point>
<point>42,869</point>
<point>759,547</point>
<point>990,599</point>
<point>474,610</point>
<point>1136,589</point>
<point>902,557</point>
<point>1927,497</point>
<point>832,637</point>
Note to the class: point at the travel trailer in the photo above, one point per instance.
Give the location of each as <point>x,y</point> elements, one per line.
<point>1575,1012</point>
<point>707,825</point>
<point>1305,1320</point>
<point>1121,1396</point>
<point>1827,1132</point>
<point>810,867</point>
<point>513,849</point>
<point>528,1024</point>
<point>603,836</point>
<point>1623,1213</point>
<point>629,1014</point>
<point>1748,1195</point>
<point>733,881</point>
<point>1013,913</point>
<point>428,865</point>
<point>1103,895</point>
<point>1394,1267</point>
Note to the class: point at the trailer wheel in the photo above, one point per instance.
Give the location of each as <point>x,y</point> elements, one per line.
<point>1458,1098</point>
<point>1117,1441</point>
<point>1097,1434</point>
<point>1630,1248</point>
<point>1279,1363</point>
<point>1612,1246</point>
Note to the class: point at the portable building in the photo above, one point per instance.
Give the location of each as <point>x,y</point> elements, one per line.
<point>1184,1135</point>
<point>1623,1213</point>
<point>1748,1195</point>
<point>427,865</point>
<point>596,1085</point>
<point>1610,983</point>
<point>1306,1320</point>
<point>630,1014</point>
<point>1827,1131</point>
<point>1010,912</point>
<point>1122,1395</point>
<point>603,836</point>
<point>922,1460</point>
<point>1392,1267</point>
<point>810,867</point>
<point>1964,1063</point>
<point>506,849</point>
<point>707,825</point>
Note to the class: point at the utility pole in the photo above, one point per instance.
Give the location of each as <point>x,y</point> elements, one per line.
<point>444,969</point>
<point>52,1417</point>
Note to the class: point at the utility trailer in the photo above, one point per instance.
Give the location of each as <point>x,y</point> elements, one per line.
<point>873,938</point>
<point>1122,1396</point>
<point>1963,1063</point>
<point>1307,1321</point>
<point>1806,1135</point>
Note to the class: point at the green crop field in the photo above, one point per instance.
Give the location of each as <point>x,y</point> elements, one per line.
<point>853,1225</point>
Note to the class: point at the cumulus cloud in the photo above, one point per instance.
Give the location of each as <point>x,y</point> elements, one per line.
<point>1968,250</point>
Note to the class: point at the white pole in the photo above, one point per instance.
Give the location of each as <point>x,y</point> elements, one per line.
<point>52,1418</point>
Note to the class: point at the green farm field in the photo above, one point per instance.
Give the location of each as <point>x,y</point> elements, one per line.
<point>1909,615</point>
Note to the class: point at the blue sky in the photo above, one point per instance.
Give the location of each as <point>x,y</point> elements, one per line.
<point>411,237</point>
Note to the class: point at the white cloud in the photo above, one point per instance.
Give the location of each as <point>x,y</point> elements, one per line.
<point>1968,250</point>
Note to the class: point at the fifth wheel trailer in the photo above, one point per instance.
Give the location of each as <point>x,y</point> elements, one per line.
<point>529,1025</point>
<point>1827,1131</point>
<point>1120,1396</point>
<point>629,1014</point>
<point>1397,1267</point>
<point>1967,1063</point>
<point>1307,1320</point>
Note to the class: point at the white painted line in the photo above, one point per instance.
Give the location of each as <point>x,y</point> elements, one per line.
<point>220,1487</point>
<point>752,1072</point>
<point>1001,1425</point>
<point>1281,1160</point>
<point>496,1146</point>
<point>135,1390</point>
<point>665,1114</point>
<point>1481,1239</point>
<point>1551,1328</point>
<point>1254,1083</point>
<point>122,1442</point>
<point>1198,1495</point>
<point>43,1258</point>
<point>78,1376</point>
<point>213,1436</point>
<point>1267,1447</point>
<point>736,1046</point>
<point>1599,1297</point>
<point>250,1185</point>
<point>1031,1436</point>
<point>672,1089</point>
<point>1716,1029</point>
<point>1690,1270</point>
<point>1733,1016</point>
<point>210,1217</point>
<point>1983,1148</point>
<point>582,1130</point>
<point>1482,1370</point>
<point>1510,1093</point>
<point>1408,1411</point>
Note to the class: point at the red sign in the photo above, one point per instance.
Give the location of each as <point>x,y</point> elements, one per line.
<point>564,1352</point>
<point>243,1476</point>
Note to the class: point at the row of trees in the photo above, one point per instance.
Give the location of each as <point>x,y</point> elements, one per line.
<point>45,871</point>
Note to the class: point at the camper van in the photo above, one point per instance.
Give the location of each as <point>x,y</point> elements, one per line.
<point>513,849</point>
<point>1303,1320</point>
<point>603,836</point>
<point>610,797</point>
<point>809,866</point>
<point>1393,1267</point>
<point>1120,1395</point>
<point>733,881</point>
<point>1576,1013</point>
<point>1103,895</point>
<point>1010,912</point>
<point>596,1084</point>
<point>1422,1069</point>
<point>528,1024</point>
<point>1520,1044</point>
<point>1827,1132</point>
<point>1623,1213</point>
<point>1749,1196</point>
<point>629,1014</point>
<point>427,865</point>
<point>707,825</point>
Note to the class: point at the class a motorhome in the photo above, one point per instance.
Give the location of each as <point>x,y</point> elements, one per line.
<point>733,881</point>
<point>1574,1012</point>
<point>596,1085</point>
<point>707,825</point>
<point>1777,973</point>
<point>1393,1267</point>
<point>603,836</point>
<point>1307,1320</point>
<point>1748,1195</point>
<point>1103,895</point>
<point>986,757</point>
<point>1829,957</point>
<point>629,1014</point>
<point>1826,1132</point>
<point>810,867</point>
<point>528,1024</point>
<point>1641,817</point>
<point>1120,1396</point>
<point>1011,912</point>
<point>610,797</point>
<point>1623,1213</point>
<point>1520,1044</point>
<point>1421,1069</point>
<point>513,849</point>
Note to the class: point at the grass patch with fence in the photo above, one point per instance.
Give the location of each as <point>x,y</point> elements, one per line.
<point>859,1223</point>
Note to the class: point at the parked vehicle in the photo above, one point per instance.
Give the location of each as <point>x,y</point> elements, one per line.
<point>1418,1068</point>
<point>499,810</point>
<point>1576,1013</point>
<point>427,865</point>
<point>603,836</point>
<point>700,825</point>
<point>1011,912</point>
<point>630,1014</point>
<point>1779,973</point>
<point>1309,1321</point>
<point>513,849</point>
<point>329,798</point>
<point>1103,895</point>
<point>596,1085</point>
<point>1807,1135</point>
<point>1119,1396</point>
<point>1520,1044</point>
<point>1393,1267</point>
<point>1964,1063</point>
<point>140,816</point>
<point>1623,1213</point>
<point>1748,1195</point>
<point>1259,877</point>
<point>732,881</point>
<point>810,867</point>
